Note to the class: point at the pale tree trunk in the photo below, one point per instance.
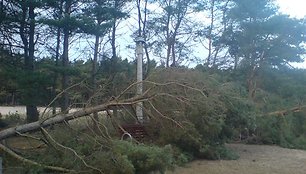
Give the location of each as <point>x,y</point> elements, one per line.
<point>173,54</point>
<point>236,60</point>
<point>252,84</point>
<point>168,40</point>
<point>212,20</point>
<point>139,52</point>
<point>252,80</point>
<point>173,35</point>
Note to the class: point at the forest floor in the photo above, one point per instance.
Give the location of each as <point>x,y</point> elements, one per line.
<point>254,159</point>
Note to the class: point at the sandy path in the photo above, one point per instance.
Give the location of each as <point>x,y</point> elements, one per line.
<point>254,159</point>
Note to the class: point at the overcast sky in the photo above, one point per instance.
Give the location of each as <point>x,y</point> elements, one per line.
<point>295,8</point>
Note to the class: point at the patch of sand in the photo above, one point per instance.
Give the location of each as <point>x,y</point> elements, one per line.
<point>254,159</point>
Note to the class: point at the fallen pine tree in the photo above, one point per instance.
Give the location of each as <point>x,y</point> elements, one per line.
<point>66,117</point>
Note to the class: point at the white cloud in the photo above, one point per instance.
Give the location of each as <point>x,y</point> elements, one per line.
<point>295,8</point>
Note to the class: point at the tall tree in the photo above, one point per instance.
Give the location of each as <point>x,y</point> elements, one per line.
<point>260,37</point>
<point>100,16</point>
<point>56,14</point>
<point>209,33</point>
<point>67,20</point>
<point>65,56</point>
<point>32,113</point>
<point>19,33</point>
<point>172,29</point>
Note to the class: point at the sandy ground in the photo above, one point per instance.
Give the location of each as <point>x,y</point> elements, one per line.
<point>6,110</point>
<point>254,159</point>
<point>21,110</point>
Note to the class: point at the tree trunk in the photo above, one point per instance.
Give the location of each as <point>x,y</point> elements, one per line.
<point>34,126</point>
<point>114,53</point>
<point>212,19</point>
<point>31,109</point>
<point>145,38</point>
<point>65,62</point>
<point>94,81</point>
<point>168,40</point>
<point>173,53</point>
<point>57,56</point>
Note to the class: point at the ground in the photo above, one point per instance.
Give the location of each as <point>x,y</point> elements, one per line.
<point>254,159</point>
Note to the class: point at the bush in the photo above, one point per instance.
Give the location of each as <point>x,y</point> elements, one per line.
<point>196,110</point>
<point>218,152</point>
<point>286,131</point>
<point>145,158</point>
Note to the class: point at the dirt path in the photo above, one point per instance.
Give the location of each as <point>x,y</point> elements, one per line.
<point>254,159</point>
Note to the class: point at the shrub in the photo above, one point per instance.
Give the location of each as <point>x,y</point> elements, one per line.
<point>195,108</point>
<point>286,131</point>
<point>145,158</point>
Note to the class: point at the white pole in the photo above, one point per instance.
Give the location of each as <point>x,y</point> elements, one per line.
<point>139,53</point>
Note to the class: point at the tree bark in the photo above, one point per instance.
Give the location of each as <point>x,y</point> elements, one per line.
<point>65,61</point>
<point>57,56</point>
<point>212,20</point>
<point>31,109</point>
<point>114,52</point>
<point>34,126</point>
<point>94,80</point>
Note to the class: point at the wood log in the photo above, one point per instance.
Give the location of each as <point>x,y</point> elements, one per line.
<point>286,112</point>
<point>34,126</point>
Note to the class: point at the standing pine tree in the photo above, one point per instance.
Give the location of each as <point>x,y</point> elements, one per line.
<point>259,36</point>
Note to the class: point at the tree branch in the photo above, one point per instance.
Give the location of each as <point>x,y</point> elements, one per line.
<point>18,157</point>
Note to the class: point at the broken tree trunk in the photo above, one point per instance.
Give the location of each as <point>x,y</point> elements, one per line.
<point>286,112</point>
<point>65,117</point>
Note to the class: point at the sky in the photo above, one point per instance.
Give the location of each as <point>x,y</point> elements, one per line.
<point>295,8</point>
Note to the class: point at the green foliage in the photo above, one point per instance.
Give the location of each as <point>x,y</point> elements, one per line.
<point>34,83</point>
<point>199,111</point>
<point>9,65</point>
<point>217,152</point>
<point>146,158</point>
<point>260,36</point>
<point>108,156</point>
<point>287,131</point>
